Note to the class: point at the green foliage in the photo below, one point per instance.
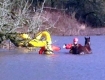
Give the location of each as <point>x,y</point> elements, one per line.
<point>90,12</point>
<point>87,11</point>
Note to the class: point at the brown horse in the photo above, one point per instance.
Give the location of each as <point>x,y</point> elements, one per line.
<point>86,49</point>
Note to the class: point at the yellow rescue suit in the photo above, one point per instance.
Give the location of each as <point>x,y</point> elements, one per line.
<point>37,42</point>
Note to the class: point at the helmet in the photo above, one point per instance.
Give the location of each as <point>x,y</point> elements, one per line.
<point>75,40</point>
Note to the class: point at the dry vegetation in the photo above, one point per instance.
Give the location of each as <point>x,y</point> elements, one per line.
<point>53,20</point>
<point>59,23</point>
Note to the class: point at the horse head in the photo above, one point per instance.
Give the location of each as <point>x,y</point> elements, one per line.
<point>87,41</point>
<point>86,49</point>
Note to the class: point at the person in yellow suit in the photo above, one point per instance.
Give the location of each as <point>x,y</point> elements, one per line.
<point>42,40</point>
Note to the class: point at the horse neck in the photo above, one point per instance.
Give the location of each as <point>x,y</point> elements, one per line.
<point>87,43</point>
<point>88,47</point>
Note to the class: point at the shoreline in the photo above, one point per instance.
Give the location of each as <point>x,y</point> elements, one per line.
<point>86,32</point>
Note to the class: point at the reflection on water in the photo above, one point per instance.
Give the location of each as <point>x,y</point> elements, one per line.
<point>16,65</point>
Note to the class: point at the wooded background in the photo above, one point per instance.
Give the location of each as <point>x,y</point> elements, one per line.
<point>90,12</point>
<point>15,14</point>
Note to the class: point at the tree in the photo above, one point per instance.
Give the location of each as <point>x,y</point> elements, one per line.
<point>15,14</point>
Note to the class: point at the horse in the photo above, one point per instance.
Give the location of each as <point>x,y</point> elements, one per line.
<point>86,49</point>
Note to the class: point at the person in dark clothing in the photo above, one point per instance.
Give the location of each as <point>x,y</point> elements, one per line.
<point>73,47</point>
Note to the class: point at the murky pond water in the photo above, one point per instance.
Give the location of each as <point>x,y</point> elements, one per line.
<point>19,65</point>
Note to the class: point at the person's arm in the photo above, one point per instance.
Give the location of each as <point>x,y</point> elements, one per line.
<point>67,46</point>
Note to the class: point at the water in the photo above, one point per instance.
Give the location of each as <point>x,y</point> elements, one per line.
<point>20,65</point>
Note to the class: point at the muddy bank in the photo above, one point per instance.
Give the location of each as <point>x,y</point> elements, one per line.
<point>59,23</point>
<point>74,32</point>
